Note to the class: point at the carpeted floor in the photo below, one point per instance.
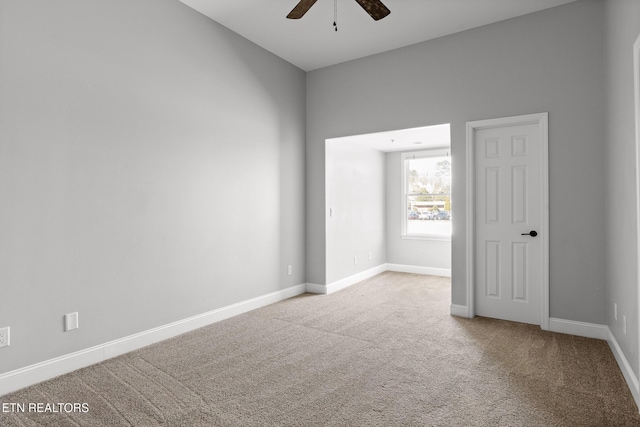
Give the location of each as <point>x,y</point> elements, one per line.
<point>384,352</point>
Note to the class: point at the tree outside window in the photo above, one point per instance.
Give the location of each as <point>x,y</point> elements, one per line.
<point>427,194</point>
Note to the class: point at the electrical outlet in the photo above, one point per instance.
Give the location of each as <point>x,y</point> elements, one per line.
<point>615,311</point>
<point>290,270</point>
<point>355,259</point>
<point>370,256</point>
<point>71,321</point>
<point>5,337</point>
<point>624,324</point>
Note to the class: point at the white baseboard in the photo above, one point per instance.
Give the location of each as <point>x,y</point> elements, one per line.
<point>588,330</point>
<point>346,282</point>
<point>581,329</point>
<point>29,375</point>
<point>460,310</point>
<point>591,330</point>
<point>314,288</point>
<point>23,377</point>
<point>629,376</point>
<point>336,286</point>
<point>430,271</point>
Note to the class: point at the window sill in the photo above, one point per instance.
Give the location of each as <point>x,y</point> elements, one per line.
<point>434,237</point>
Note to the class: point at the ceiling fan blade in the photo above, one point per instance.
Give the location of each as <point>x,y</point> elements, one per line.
<point>300,9</point>
<point>374,8</point>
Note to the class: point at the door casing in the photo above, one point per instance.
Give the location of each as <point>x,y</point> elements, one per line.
<point>542,120</point>
<point>636,84</point>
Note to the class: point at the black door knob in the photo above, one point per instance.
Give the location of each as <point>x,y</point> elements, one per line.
<point>532,233</point>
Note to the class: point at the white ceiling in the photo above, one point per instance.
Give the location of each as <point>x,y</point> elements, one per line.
<point>404,139</point>
<point>312,43</point>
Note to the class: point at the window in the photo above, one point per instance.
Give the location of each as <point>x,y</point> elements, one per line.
<point>427,194</point>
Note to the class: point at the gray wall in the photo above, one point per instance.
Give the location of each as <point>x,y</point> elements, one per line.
<point>151,169</point>
<point>623,27</point>
<point>356,195</point>
<point>415,252</point>
<point>122,124</point>
<point>549,61</point>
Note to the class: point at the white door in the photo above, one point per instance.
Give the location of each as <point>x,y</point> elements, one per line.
<point>510,215</point>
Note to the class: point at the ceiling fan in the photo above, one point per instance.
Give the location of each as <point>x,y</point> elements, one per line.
<point>374,8</point>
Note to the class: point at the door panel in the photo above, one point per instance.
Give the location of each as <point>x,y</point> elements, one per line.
<point>507,200</point>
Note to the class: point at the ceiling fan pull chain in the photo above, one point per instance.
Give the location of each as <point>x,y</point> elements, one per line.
<point>335,14</point>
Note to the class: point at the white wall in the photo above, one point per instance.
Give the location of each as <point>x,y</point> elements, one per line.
<point>356,196</point>
<point>151,169</point>
<point>623,27</point>
<point>415,252</point>
<point>364,198</point>
<point>550,61</point>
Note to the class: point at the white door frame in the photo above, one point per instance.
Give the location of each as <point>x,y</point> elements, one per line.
<point>636,83</point>
<point>542,120</point>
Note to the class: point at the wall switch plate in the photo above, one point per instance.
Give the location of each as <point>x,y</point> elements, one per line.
<point>5,337</point>
<point>71,321</point>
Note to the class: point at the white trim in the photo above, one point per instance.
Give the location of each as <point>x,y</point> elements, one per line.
<point>636,82</point>
<point>571,327</point>
<point>23,377</point>
<point>460,310</point>
<point>629,376</point>
<point>542,120</point>
<point>314,288</point>
<point>591,330</point>
<point>416,269</point>
<point>581,329</point>
<point>346,282</point>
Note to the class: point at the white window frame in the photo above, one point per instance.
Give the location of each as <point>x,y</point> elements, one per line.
<point>412,155</point>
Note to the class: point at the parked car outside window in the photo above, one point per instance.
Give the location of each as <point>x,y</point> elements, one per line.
<point>441,215</point>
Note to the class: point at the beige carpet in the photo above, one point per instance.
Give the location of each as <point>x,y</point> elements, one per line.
<point>384,352</point>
